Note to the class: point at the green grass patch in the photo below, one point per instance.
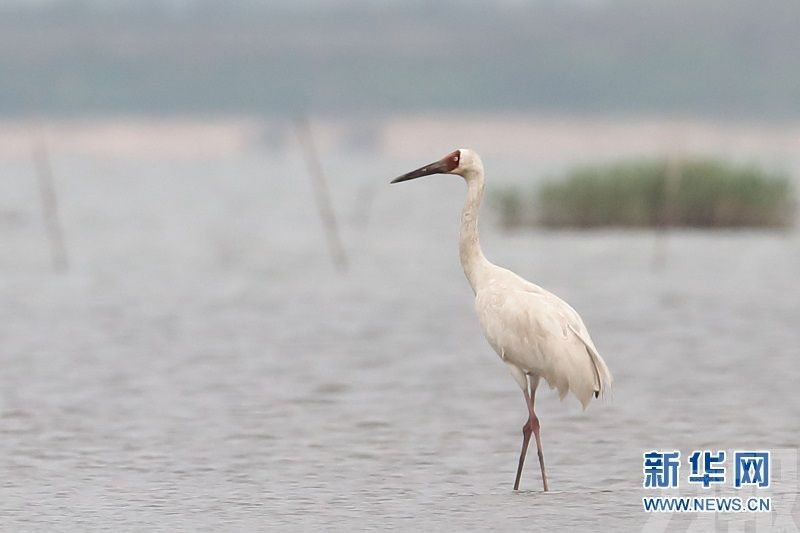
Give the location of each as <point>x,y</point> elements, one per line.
<point>654,193</point>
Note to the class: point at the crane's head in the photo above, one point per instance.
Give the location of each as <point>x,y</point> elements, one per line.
<point>462,162</point>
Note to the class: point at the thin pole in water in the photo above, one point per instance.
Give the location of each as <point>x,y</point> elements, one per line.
<point>321,194</point>
<point>669,214</point>
<point>49,198</point>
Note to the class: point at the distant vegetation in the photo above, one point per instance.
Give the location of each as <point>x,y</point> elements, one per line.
<point>653,193</point>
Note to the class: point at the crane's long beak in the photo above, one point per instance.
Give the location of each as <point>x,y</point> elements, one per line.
<point>439,167</point>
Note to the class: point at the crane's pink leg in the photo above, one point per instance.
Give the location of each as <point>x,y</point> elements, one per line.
<point>531,426</point>
<point>526,437</point>
<point>534,422</point>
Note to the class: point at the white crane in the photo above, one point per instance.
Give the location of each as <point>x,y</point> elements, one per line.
<point>537,334</point>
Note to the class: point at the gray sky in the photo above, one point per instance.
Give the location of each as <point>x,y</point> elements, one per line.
<point>733,58</point>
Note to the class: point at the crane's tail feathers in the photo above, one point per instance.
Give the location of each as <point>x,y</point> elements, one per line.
<point>602,375</point>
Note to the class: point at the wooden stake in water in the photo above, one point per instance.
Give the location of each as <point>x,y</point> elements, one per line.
<point>50,214</point>
<point>669,213</point>
<point>321,194</point>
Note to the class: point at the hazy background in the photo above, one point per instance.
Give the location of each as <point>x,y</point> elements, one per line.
<point>730,59</point>
<point>196,361</point>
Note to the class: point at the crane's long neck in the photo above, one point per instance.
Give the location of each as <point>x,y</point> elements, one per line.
<point>469,247</point>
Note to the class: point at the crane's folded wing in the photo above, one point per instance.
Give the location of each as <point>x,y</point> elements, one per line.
<point>541,334</point>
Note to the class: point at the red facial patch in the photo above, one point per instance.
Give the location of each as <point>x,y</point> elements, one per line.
<point>452,160</point>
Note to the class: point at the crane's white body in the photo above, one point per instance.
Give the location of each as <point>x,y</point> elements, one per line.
<point>539,335</point>
<point>534,332</point>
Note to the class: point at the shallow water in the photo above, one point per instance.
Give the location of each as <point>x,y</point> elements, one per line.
<point>203,367</point>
